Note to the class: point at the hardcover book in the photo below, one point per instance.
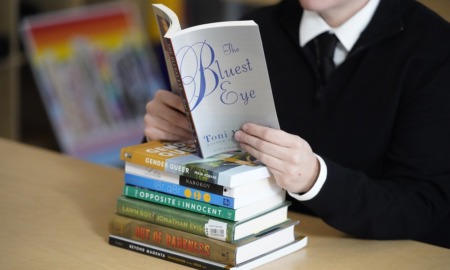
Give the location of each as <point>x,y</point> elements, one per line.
<point>200,224</point>
<point>239,193</point>
<point>219,70</point>
<point>230,169</point>
<point>239,214</point>
<point>199,263</point>
<point>203,247</point>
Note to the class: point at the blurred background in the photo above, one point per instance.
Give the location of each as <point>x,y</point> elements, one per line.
<point>27,113</point>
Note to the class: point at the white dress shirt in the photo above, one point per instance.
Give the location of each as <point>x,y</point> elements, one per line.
<point>312,25</point>
<point>348,33</point>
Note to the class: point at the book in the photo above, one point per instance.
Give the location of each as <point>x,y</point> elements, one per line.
<point>239,214</point>
<point>177,190</point>
<point>198,195</point>
<point>203,247</point>
<point>219,70</point>
<point>200,224</point>
<point>229,169</point>
<point>241,192</point>
<point>199,263</point>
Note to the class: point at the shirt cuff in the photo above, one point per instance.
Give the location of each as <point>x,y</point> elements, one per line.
<point>317,186</point>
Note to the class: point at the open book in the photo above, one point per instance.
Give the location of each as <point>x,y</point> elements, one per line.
<point>220,72</point>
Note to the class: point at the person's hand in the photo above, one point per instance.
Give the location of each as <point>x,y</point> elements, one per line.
<point>288,157</point>
<point>165,118</point>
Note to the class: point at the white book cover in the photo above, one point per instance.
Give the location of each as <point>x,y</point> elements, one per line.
<point>221,75</point>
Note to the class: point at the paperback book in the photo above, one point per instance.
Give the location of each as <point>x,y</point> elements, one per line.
<point>203,247</point>
<point>177,190</point>
<point>199,195</point>
<point>239,214</point>
<point>200,224</point>
<point>219,70</point>
<point>241,192</point>
<point>230,169</point>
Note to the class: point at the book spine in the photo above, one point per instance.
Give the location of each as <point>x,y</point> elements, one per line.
<point>155,154</point>
<point>178,190</point>
<point>154,162</point>
<point>184,99</point>
<point>162,175</point>
<point>205,186</point>
<point>166,163</point>
<point>172,164</point>
<point>164,254</point>
<point>179,241</point>
<point>178,202</point>
<point>174,218</point>
<point>228,170</point>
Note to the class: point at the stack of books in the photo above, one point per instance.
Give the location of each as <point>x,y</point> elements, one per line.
<point>222,212</point>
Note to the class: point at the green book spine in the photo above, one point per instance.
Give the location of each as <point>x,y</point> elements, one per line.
<point>179,202</point>
<point>176,218</point>
<point>187,243</point>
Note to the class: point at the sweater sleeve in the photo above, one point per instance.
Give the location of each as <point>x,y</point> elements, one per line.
<point>410,199</point>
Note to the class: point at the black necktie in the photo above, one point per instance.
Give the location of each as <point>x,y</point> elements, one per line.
<point>323,47</point>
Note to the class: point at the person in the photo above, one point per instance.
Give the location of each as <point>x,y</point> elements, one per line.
<point>370,155</point>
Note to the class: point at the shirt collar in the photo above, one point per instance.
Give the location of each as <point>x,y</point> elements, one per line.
<point>348,33</point>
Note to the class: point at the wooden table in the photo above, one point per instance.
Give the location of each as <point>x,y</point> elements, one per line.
<point>55,209</point>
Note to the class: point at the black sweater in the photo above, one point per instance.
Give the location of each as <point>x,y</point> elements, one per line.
<point>383,125</point>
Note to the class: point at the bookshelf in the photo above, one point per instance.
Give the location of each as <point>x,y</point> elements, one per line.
<point>9,62</point>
